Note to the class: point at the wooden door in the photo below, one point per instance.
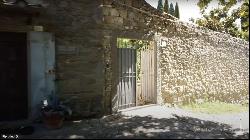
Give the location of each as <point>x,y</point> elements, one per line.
<point>148,85</point>
<point>42,69</point>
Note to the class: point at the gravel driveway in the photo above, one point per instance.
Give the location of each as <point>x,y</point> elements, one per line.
<point>152,121</point>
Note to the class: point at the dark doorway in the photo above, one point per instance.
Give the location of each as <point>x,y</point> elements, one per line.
<point>13,76</point>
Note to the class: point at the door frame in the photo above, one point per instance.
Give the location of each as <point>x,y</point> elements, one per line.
<point>114,54</point>
<point>28,59</point>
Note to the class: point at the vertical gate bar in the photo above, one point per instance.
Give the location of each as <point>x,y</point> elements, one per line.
<point>123,87</point>
<point>121,84</point>
<point>120,77</point>
<point>135,71</point>
<point>128,70</point>
<point>154,95</point>
<point>145,72</point>
<point>153,76</point>
<point>132,80</point>
<point>128,83</point>
<point>134,77</point>
<point>142,75</point>
<point>150,75</point>
<point>146,75</point>
<point>118,84</point>
<point>130,75</point>
<point>119,80</point>
<point>148,80</point>
<point>125,77</point>
<point>148,88</point>
<point>128,79</point>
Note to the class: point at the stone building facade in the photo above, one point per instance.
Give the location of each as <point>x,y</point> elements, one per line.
<point>194,63</point>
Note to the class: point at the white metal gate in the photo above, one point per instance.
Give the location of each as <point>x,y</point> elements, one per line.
<point>126,89</point>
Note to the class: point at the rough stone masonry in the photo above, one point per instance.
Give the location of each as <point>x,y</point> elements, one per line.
<point>194,64</point>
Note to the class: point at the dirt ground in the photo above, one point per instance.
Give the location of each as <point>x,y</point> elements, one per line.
<point>151,121</point>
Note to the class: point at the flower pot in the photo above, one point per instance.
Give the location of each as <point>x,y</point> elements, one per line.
<point>53,120</point>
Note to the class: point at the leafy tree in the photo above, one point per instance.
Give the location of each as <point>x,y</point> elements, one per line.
<point>166,6</point>
<point>244,15</point>
<point>176,11</point>
<point>160,5</point>
<point>220,19</point>
<point>171,9</point>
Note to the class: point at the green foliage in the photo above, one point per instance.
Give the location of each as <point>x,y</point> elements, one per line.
<point>139,45</point>
<point>176,11</point>
<point>160,5</point>
<point>220,19</point>
<point>171,9</point>
<point>244,15</point>
<point>166,6</point>
<point>203,4</point>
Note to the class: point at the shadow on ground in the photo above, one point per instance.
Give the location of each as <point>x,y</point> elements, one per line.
<point>118,126</point>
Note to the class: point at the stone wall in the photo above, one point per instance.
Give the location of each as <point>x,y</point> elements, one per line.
<point>79,49</point>
<point>121,19</point>
<point>80,54</point>
<point>194,63</point>
<point>209,67</point>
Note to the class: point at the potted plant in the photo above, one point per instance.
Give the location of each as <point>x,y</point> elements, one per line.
<point>54,112</point>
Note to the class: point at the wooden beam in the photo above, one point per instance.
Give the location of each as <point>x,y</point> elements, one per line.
<point>15,28</point>
<point>20,11</point>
